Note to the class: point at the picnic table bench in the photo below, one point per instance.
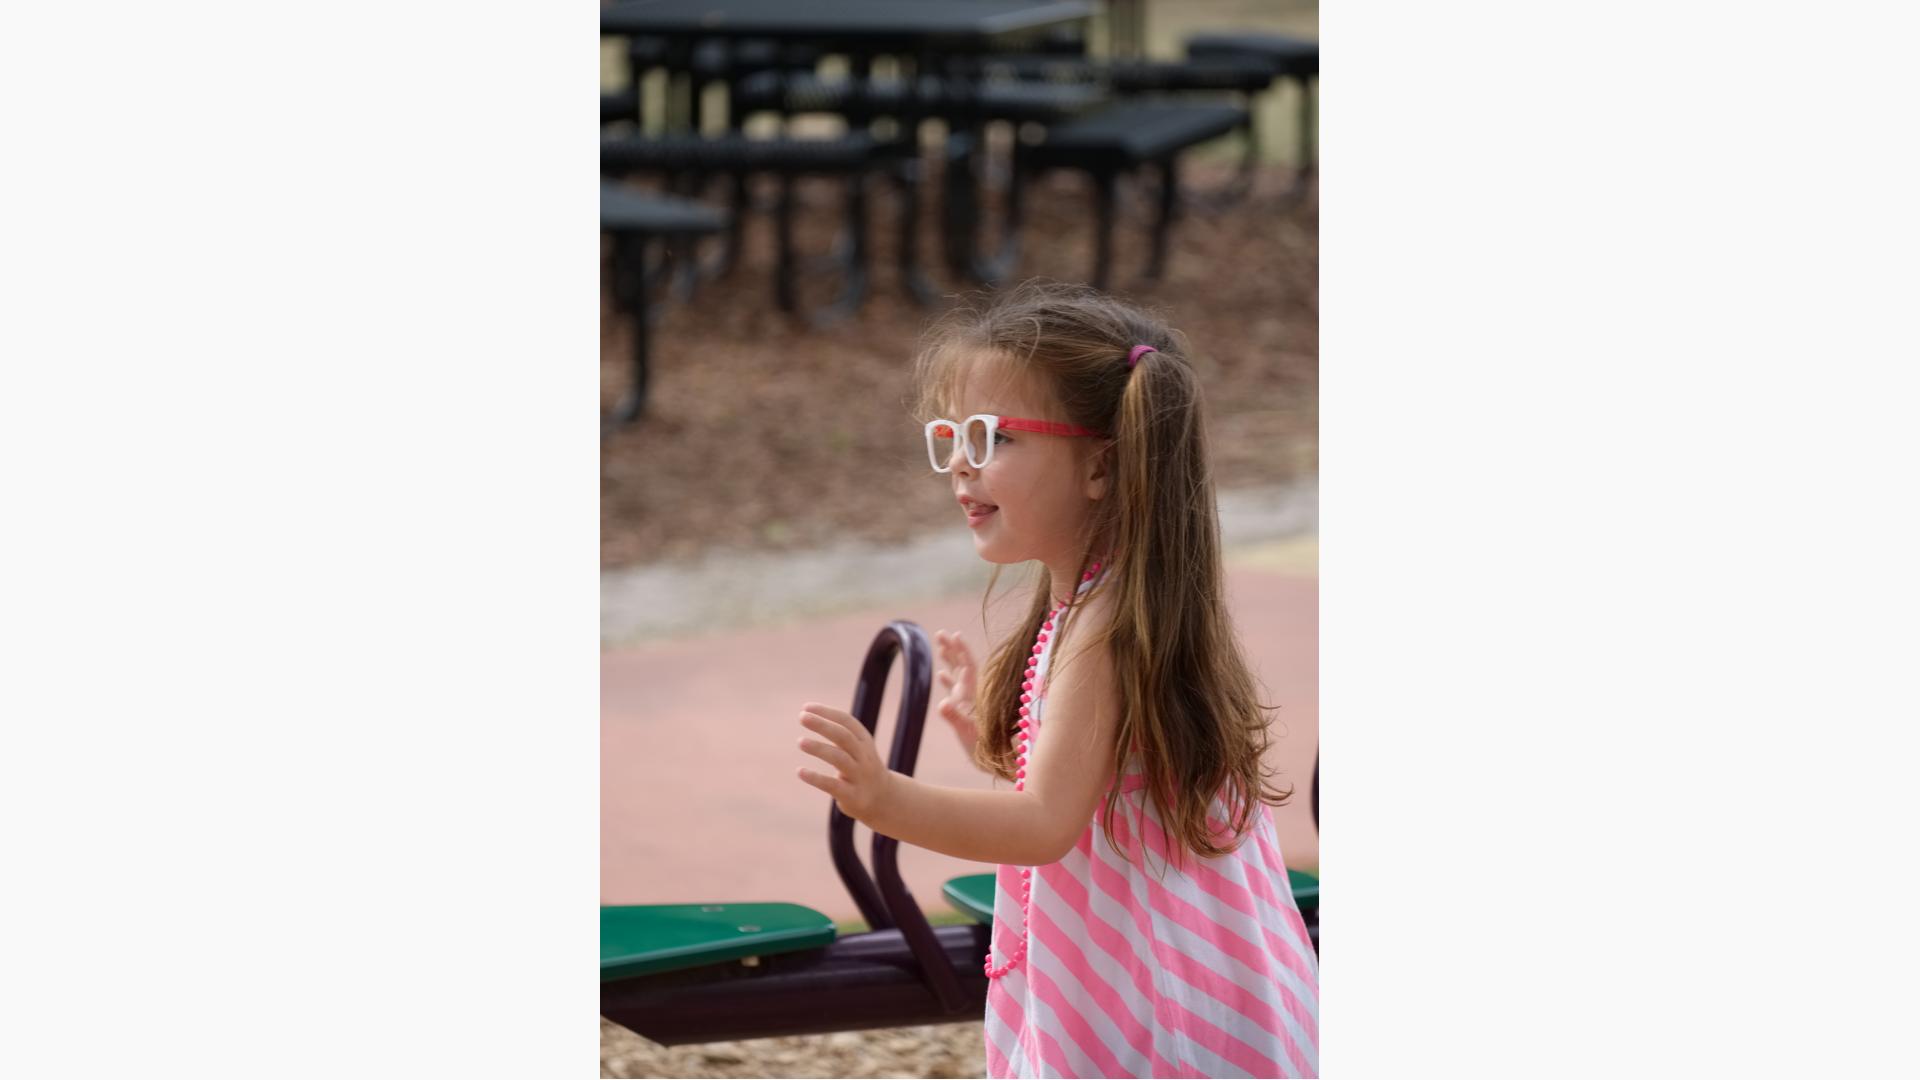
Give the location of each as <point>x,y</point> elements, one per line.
<point>634,220</point>
<point>1120,138</point>
<point>1288,59</point>
<point>738,155</point>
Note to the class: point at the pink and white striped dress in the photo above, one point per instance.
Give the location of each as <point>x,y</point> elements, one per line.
<point>1206,972</point>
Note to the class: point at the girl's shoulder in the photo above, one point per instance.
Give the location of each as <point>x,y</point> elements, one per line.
<point>1090,619</point>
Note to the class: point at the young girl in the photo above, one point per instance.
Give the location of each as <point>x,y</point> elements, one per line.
<point>1143,924</point>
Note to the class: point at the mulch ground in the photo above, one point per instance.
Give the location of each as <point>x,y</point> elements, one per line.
<point>762,434</point>
<point>942,1050</point>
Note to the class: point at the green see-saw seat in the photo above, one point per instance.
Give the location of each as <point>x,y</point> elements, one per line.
<point>972,895</point>
<point>1306,890</point>
<point>641,939</point>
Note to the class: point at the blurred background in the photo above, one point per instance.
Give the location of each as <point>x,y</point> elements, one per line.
<point>782,216</point>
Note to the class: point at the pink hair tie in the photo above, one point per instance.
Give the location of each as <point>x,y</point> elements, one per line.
<point>1138,351</point>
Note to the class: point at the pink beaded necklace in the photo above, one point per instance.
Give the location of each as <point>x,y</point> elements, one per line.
<point>1020,778</point>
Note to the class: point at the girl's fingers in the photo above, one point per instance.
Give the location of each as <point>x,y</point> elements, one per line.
<point>828,712</point>
<point>832,785</point>
<point>841,737</point>
<point>832,755</point>
<point>837,724</point>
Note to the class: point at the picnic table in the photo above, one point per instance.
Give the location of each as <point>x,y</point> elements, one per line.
<point>945,36</point>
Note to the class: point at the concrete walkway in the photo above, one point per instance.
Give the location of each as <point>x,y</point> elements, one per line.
<point>699,802</point>
<point>727,592</point>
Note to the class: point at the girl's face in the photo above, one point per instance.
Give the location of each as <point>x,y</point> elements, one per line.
<point>1044,486</point>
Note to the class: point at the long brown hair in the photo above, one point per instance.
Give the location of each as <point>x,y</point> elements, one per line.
<point>1187,695</point>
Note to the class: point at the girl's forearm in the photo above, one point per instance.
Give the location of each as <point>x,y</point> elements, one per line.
<point>980,826</point>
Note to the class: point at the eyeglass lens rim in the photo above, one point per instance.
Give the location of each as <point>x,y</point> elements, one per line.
<point>987,420</point>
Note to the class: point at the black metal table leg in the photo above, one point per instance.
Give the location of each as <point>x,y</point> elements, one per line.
<point>919,289</point>
<point>728,258</point>
<point>1104,183</point>
<point>850,255</point>
<point>958,199</point>
<point>629,258</point>
<point>783,264</point>
<point>966,165</point>
<point>965,146</point>
<point>737,192</point>
<point>1241,185</point>
<point>1104,189</point>
<point>689,273</point>
<point>1163,225</point>
<point>994,268</point>
<point>739,202</point>
<point>965,212</point>
<point>679,66</point>
<point>697,95</point>
<point>1305,165</point>
<point>853,289</point>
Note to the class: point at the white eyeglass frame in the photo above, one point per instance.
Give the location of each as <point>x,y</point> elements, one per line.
<point>994,425</point>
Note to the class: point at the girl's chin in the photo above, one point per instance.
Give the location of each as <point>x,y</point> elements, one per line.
<point>997,552</point>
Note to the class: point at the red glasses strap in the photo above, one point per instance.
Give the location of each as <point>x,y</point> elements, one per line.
<point>1044,427</point>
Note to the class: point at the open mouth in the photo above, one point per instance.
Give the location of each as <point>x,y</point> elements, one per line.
<point>979,513</point>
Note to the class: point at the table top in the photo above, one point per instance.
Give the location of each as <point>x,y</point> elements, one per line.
<point>947,23</point>
<point>623,209</point>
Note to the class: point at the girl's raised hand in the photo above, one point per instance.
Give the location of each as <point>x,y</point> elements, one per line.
<point>960,680</point>
<point>860,781</point>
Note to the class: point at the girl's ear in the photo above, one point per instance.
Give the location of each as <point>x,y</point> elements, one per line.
<point>1100,471</point>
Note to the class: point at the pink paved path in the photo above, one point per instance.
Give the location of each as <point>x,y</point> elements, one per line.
<point>698,798</point>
